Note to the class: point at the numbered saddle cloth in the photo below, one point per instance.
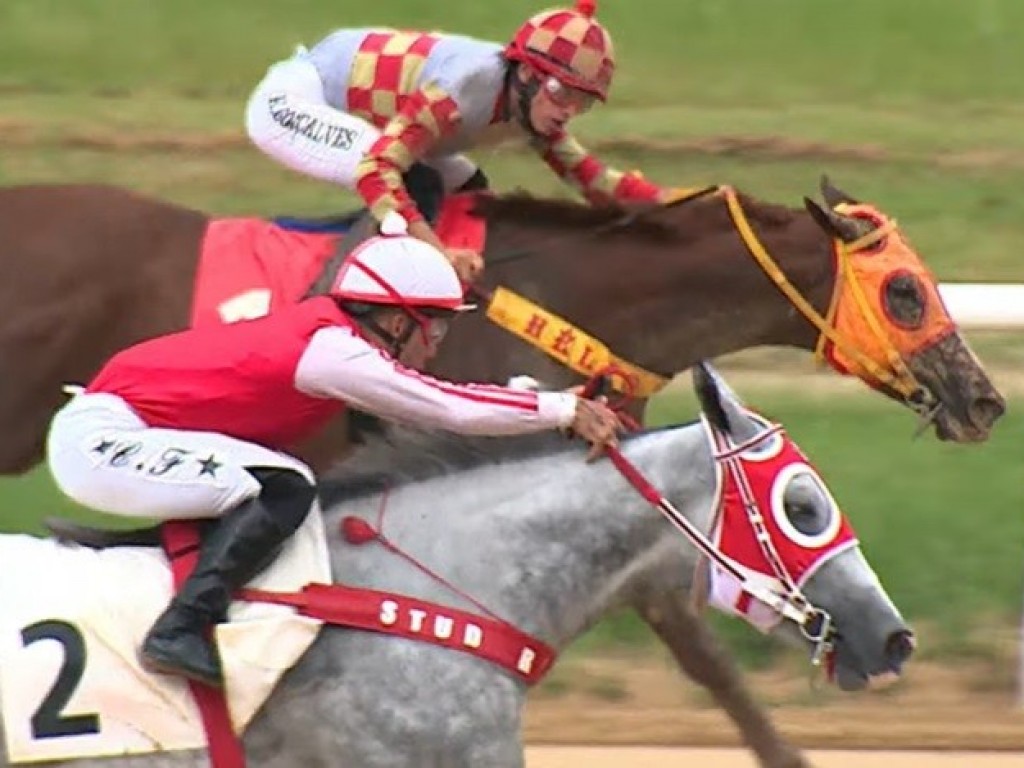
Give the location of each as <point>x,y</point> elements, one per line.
<point>72,620</point>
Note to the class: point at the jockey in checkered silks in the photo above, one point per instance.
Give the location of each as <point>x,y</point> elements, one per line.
<point>388,113</point>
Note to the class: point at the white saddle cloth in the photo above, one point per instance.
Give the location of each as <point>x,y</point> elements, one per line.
<point>72,620</point>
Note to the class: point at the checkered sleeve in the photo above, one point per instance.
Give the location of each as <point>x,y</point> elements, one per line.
<point>427,116</point>
<point>595,181</point>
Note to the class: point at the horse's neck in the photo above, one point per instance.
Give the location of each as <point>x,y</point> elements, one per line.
<point>549,544</point>
<point>665,305</point>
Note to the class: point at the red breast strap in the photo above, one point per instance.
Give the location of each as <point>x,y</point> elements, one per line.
<point>496,641</point>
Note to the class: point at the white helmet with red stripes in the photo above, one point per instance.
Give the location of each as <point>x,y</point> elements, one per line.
<point>396,269</point>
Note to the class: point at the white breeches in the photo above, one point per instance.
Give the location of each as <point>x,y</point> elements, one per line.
<point>104,457</point>
<point>289,119</point>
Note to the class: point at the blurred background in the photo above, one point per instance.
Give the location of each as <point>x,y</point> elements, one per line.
<point>914,105</point>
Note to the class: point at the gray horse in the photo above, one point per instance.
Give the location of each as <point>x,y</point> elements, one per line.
<point>551,544</point>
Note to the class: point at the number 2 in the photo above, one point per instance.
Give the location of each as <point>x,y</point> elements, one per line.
<point>49,722</point>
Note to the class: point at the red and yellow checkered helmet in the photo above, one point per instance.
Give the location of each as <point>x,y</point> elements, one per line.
<point>570,45</point>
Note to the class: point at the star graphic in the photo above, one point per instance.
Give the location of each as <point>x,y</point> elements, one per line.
<point>103,446</point>
<point>209,466</point>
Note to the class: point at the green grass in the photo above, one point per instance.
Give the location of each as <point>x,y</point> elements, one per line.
<point>713,51</point>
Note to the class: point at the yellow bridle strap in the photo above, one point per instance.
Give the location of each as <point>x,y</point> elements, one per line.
<point>900,377</point>
<point>844,252</point>
<point>567,344</point>
<point>677,195</point>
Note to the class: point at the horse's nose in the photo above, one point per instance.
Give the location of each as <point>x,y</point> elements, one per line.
<point>899,647</point>
<point>984,412</point>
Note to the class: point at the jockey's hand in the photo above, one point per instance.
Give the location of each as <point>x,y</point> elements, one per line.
<point>467,262</point>
<point>598,424</point>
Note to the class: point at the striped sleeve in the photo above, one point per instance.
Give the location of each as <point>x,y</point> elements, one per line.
<point>593,179</point>
<point>427,116</point>
<point>341,365</point>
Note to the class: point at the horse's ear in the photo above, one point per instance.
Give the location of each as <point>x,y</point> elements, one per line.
<point>833,195</point>
<point>705,385</point>
<point>846,228</point>
<point>722,407</point>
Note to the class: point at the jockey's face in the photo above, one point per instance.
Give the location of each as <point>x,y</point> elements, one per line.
<point>554,103</point>
<point>423,343</point>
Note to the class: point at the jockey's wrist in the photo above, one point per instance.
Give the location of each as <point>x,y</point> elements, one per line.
<point>422,231</point>
<point>558,408</point>
<point>634,187</point>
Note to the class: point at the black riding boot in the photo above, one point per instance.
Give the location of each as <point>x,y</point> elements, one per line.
<point>241,544</point>
<point>426,189</point>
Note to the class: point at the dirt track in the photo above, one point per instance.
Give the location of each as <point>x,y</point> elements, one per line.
<point>592,757</point>
<point>643,701</point>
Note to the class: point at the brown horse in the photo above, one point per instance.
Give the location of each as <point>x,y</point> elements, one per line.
<point>98,268</point>
<point>93,269</point>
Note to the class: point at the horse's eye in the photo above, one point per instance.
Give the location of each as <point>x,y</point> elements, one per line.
<point>807,505</point>
<point>904,300</point>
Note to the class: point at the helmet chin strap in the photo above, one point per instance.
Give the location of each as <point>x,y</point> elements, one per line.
<point>524,92</point>
<point>403,339</point>
<point>395,344</point>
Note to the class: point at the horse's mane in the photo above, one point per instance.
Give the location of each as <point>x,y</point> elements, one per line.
<point>397,456</point>
<point>680,222</point>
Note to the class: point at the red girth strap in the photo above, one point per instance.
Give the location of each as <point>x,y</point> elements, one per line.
<point>181,543</point>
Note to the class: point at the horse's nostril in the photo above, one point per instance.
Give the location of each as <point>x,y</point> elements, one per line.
<point>985,411</point>
<point>899,647</point>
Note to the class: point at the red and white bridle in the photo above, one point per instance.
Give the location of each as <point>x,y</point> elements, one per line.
<point>755,559</point>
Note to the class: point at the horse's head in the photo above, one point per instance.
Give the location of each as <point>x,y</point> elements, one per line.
<point>787,559</point>
<point>872,309</point>
<point>891,327</point>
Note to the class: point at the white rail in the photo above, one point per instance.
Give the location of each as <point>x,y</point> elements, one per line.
<point>985,305</point>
